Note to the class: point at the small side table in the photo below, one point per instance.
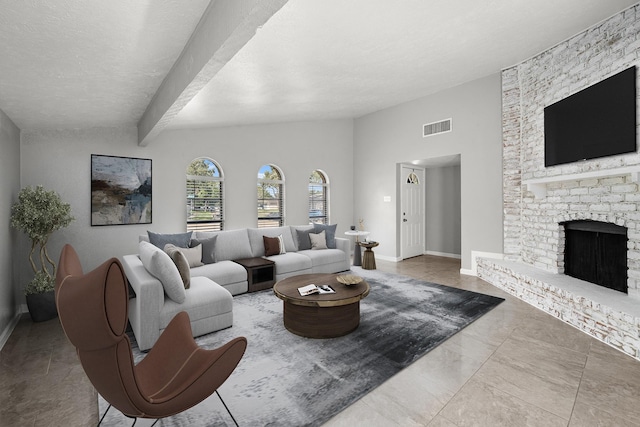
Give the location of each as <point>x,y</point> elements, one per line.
<point>357,257</point>
<point>369,259</point>
<point>260,272</point>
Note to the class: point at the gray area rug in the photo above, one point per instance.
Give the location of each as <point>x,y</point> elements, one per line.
<point>287,380</point>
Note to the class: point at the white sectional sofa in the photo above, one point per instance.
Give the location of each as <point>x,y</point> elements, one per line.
<point>208,300</point>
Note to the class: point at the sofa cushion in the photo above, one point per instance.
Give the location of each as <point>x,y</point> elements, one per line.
<point>330,233</point>
<point>230,244</point>
<point>290,262</point>
<point>181,262</point>
<point>302,236</point>
<point>257,242</point>
<point>204,298</point>
<point>318,240</point>
<point>208,248</point>
<point>161,240</point>
<point>222,272</point>
<point>160,265</point>
<point>328,256</point>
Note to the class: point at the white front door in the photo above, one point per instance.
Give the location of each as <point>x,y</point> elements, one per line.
<point>412,212</point>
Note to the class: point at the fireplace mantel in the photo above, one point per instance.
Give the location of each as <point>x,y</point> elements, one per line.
<point>538,186</point>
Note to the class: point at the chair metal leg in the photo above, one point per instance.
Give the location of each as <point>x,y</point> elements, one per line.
<point>227,408</point>
<point>135,420</point>
<point>154,423</point>
<point>104,415</point>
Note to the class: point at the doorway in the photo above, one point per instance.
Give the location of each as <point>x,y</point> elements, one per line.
<point>429,209</point>
<point>412,211</point>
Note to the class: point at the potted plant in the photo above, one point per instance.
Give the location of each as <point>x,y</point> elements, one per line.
<point>38,213</point>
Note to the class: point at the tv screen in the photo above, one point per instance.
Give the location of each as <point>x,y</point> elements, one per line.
<point>598,121</point>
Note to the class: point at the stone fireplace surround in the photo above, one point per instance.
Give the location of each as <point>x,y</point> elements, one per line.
<point>536,200</point>
<point>535,275</point>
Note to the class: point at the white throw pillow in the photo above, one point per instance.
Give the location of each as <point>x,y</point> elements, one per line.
<point>281,244</point>
<point>160,265</point>
<point>318,240</point>
<point>193,255</point>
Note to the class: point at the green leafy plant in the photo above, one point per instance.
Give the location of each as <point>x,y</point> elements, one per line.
<point>41,283</point>
<point>38,213</point>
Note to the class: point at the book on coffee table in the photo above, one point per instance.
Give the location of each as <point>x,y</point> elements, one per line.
<point>315,289</point>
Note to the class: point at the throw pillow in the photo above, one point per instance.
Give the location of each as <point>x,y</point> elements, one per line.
<point>330,233</point>
<point>159,265</point>
<point>193,254</point>
<point>181,240</point>
<point>318,240</point>
<point>180,260</point>
<point>283,250</point>
<point>273,245</point>
<point>303,239</point>
<point>208,248</point>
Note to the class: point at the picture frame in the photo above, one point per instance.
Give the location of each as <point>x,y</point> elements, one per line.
<point>121,190</point>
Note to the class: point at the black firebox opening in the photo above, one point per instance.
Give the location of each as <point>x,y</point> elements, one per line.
<point>596,252</point>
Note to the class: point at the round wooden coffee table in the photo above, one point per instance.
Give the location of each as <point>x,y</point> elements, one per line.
<point>320,316</point>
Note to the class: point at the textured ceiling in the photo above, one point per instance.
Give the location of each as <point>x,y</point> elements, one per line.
<point>89,63</point>
<point>336,58</point>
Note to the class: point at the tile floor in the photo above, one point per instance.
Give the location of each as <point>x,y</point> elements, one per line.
<point>515,366</point>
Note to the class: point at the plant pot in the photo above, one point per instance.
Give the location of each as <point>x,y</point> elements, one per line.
<point>42,306</point>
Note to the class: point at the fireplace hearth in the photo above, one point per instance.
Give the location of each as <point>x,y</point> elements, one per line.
<point>596,252</point>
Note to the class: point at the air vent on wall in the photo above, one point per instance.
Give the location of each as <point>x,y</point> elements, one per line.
<point>435,128</point>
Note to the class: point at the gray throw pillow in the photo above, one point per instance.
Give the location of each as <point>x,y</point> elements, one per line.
<point>330,231</point>
<point>181,240</point>
<point>303,239</point>
<point>208,248</point>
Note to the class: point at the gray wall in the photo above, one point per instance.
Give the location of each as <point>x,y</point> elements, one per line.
<point>60,160</point>
<point>442,210</point>
<point>9,188</point>
<point>394,135</point>
<point>359,157</point>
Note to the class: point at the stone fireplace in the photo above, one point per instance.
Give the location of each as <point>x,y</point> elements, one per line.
<point>605,199</point>
<point>539,201</point>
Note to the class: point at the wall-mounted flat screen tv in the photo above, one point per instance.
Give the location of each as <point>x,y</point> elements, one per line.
<point>598,121</point>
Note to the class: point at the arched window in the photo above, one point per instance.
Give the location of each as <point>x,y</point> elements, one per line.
<point>205,203</point>
<point>318,198</point>
<point>270,197</point>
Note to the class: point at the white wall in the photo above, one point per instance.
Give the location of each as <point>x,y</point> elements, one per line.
<point>9,188</point>
<point>385,138</point>
<point>61,160</point>
<point>442,210</point>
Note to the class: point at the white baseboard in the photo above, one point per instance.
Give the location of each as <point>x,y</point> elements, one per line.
<point>467,272</point>
<point>388,258</point>
<point>4,336</point>
<point>478,254</point>
<point>443,254</point>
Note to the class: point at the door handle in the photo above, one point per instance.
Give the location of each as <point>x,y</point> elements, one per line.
<point>404,219</point>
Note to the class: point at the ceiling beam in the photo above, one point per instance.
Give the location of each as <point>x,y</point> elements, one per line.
<point>225,27</point>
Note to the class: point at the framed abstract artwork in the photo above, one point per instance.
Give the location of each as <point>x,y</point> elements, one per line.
<point>120,190</point>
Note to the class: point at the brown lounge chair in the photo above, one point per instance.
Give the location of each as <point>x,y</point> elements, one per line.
<point>175,375</point>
